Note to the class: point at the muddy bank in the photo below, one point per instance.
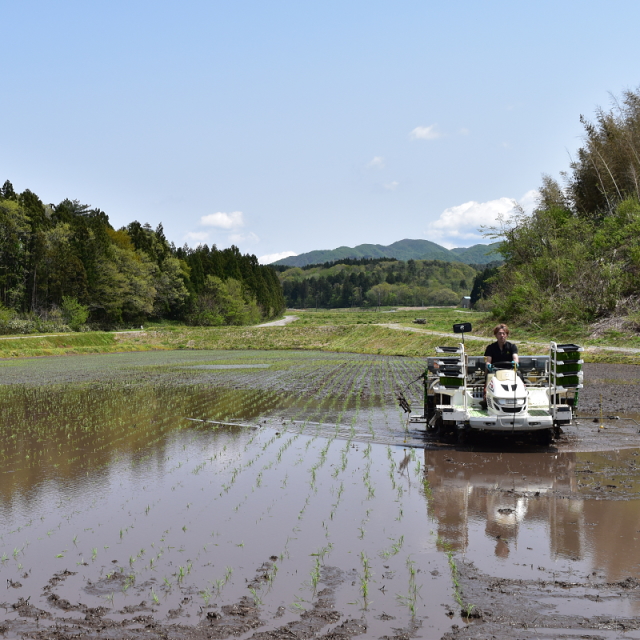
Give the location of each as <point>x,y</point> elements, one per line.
<point>551,605</point>
<point>242,618</point>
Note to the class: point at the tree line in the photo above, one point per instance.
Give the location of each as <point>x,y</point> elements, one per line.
<point>368,282</point>
<point>64,265</point>
<point>576,258</point>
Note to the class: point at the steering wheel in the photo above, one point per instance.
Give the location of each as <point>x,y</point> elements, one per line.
<point>502,365</point>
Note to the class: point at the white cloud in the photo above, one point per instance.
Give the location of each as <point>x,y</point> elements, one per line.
<point>460,225</point>
<point>274,257</point>
<point>198,236</point>
<point>223,220</point>
<point>464,131</point>
<point>250,237</point>
<point>425,133</point>
<point>529,200</point>
<point>376,163</point>
<point>391,186</point>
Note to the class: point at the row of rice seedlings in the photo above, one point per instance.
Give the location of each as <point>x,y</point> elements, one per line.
<point>88,452</point>
<point>306,504</point>
<point>408,375</point>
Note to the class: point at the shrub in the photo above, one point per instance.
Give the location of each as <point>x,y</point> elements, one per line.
<point>74,313</point>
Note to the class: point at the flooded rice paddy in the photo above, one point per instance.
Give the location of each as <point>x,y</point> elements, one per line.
<point>284,494</point>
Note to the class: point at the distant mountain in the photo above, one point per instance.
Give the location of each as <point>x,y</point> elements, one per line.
<point>401,250</point>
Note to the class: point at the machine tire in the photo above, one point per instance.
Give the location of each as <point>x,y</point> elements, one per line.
<point>545,437</point>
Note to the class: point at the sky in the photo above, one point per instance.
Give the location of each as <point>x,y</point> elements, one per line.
<point>287,126</point>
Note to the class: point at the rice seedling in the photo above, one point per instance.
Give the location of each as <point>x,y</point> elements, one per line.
<point>206,595</point>
<point>396,545</point>
<point>256,596</point>
<point>365,578</point>
<point>211,469</point>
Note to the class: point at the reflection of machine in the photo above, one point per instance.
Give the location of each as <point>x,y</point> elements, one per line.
<point>502,491</point>
<point>535,395</point>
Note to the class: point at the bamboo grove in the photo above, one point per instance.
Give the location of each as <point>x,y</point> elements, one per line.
<point>64,265</point>
<point>576,258</point>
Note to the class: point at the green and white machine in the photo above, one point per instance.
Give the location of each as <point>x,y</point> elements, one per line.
<point>539,394</point>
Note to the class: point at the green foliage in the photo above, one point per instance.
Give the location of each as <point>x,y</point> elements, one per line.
<point>6,315</point>
<point>560,267</point>
<point>69,252</point>
<point>482,284</point>
<point>576,258</point>
<point>74,313</point>
<point>14,254</point>
<point>369,283</point>
<point>224,302</point>
<point>607,167</point>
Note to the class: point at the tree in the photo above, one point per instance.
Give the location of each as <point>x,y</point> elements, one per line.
<point>125,288</point>
<point>74,313</point>
<point>169,283</point>
<point>14,242</point>
<point>607,168</point>
<point>7,191</point>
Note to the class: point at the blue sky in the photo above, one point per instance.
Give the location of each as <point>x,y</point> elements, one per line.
<point>293,126</point>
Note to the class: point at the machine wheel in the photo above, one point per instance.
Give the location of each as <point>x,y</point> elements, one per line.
<point>438,426</point>
<point>545,437</point>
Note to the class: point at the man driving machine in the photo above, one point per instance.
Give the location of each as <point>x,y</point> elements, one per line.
<point>500,351</point>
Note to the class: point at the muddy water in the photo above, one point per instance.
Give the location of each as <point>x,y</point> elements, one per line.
<point>197,495</point>
<point>136,501</point>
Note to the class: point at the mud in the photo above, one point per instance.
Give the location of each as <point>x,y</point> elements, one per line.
<point>615,387</point>
<point>582,606</point>
<point>196,495</point>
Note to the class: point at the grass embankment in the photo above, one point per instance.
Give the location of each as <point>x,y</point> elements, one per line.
<point>68,343</point>
<point>339,330</point>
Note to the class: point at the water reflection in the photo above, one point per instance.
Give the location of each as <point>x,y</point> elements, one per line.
<point>67,433</point>
<point>531,507</point>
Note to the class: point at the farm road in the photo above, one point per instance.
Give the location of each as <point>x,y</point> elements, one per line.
<point>279,323</point>
<point>399,327</point>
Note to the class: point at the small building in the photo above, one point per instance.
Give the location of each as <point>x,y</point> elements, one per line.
<point>465,303</point>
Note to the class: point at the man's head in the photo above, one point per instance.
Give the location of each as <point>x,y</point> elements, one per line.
<point>501,332</point>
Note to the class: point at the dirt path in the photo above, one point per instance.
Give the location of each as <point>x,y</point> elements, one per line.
<point>279,323</point>
<point>400,327</point>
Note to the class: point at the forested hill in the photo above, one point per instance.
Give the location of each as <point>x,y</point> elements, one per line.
<point>401,250</point>
<point>368,282</point>
<point>62,265</point>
